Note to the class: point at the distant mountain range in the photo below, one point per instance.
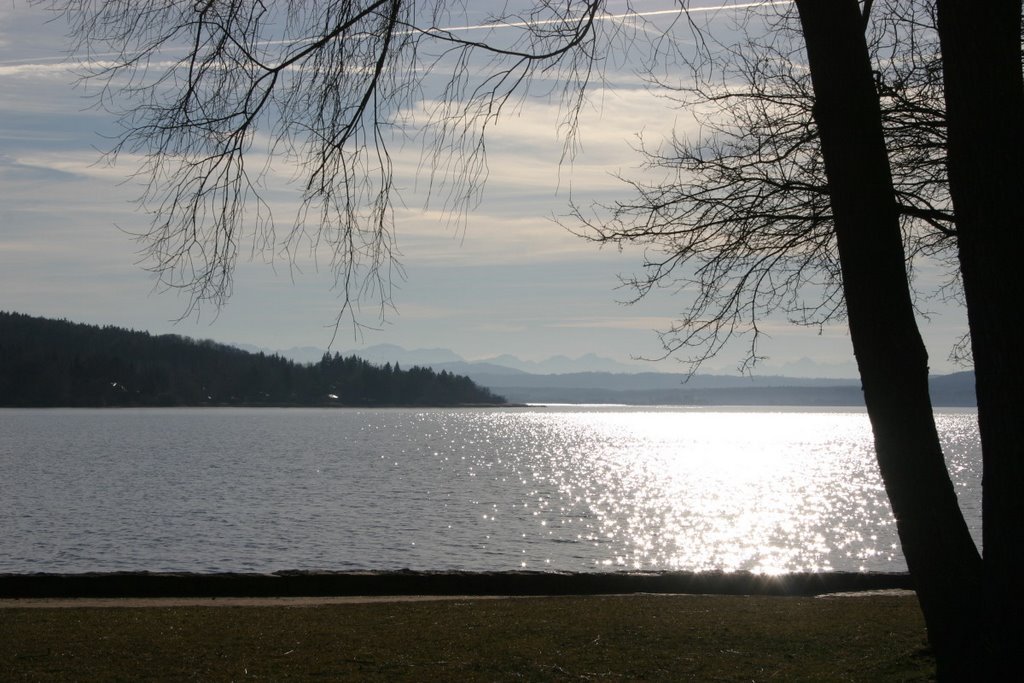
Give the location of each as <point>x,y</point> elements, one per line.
<point>449,360</point>
<point>700,390</point>
<point>593,379</point>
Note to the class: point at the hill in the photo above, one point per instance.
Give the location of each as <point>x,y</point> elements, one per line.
<point>955,390</point>
<point>560,379</point>
<point>45,362</point>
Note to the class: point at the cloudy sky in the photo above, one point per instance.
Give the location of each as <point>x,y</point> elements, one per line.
<point>512,281</point>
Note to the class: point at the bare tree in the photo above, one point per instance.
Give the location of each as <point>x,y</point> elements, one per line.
<point>984,95</point>
<point>826,176</point>
<point>818,179</point>
<point>211,94</point>
<point>740,216</point>
<point>891,356</point>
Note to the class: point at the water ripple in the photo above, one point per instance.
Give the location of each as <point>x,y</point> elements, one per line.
<point>546,488</point>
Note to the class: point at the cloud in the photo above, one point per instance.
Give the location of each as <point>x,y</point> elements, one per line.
<point>21,69</point>
<point>72,164</point>
<point>22,247</point>
<point>525,190</point>
<point>619,322</point>
<point>15,170</point>
<point>505,278</point>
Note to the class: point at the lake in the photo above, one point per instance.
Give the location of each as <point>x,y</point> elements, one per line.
<point>560,488</point>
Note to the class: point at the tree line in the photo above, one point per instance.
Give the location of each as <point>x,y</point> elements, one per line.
<point>46,362</point>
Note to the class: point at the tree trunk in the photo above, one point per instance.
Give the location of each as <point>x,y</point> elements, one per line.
<point>985,115</point>
<point>891,357</point>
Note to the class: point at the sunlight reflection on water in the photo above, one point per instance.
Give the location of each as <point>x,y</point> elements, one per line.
<point>568,489</point>
<point>712,490</point>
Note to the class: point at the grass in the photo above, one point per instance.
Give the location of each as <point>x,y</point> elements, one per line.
<point>596,638</point>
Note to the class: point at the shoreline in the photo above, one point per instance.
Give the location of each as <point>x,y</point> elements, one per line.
<point>396,584</point>
<point>320,601</point>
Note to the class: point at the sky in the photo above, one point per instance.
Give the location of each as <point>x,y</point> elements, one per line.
<point>511,280</point>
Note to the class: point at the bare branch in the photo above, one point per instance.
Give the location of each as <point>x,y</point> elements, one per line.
<point>738,220</point>
<point>215,97</point>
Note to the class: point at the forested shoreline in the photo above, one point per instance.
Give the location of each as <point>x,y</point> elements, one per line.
<point>56,363</point>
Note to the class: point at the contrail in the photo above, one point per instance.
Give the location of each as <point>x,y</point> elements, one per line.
<point>11,67</point>
<point>615,17</point>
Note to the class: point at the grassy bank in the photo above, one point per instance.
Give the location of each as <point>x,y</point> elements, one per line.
<point>599,638</point>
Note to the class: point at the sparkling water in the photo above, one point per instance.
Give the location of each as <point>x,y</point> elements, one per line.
<point>591,488</point>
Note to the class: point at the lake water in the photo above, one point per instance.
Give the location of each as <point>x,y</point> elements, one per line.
<point>557,488</point>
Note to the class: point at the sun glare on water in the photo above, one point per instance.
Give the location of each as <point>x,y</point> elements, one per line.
<point>725,490</point>
<point>592,488</point>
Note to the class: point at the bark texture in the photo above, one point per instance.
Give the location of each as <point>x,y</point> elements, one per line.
<point>981,46</point>
<point>891,356</point>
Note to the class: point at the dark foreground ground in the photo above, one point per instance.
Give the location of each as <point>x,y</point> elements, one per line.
<point>745,635</point>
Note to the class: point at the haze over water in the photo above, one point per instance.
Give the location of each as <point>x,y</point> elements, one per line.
<point>550,489</point>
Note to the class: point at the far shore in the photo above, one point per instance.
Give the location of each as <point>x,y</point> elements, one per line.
<point>348,406</point>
